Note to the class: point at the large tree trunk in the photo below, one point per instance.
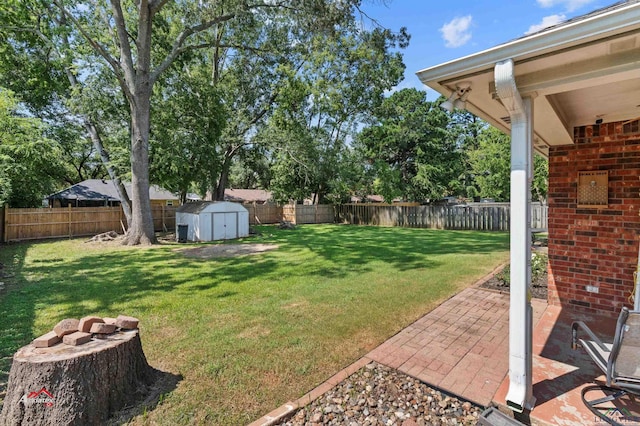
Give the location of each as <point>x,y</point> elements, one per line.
<point>141,230</point>
<point>230,152</point>
<point>223,181</point>
<point>76,385</point>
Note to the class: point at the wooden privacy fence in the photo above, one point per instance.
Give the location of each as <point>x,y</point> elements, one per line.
<point>263,213</point>
<point>32,224</point>
<point>317,213</point>
<point>490,217</point>
<point>164,218</point>
<point>68,222</point>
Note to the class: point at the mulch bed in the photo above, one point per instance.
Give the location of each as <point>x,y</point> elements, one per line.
<point>538,287</point>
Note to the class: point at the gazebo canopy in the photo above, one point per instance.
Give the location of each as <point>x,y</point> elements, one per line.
<point>578,72</point>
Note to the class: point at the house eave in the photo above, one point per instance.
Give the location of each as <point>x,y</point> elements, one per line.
<point>610,24</point>
<point>578,72</point>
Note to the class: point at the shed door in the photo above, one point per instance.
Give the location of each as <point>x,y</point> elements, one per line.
<point>225,225</point>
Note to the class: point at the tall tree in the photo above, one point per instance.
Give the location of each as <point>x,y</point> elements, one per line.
<point>491,164</point>
<point>491,167</point>
<point>465,129</point>
<point>184,153</point>
<point>29,162</point>
<point>318,111</point>
<point>38,61</point>
<point>408,143</point>
<point>123,36</point>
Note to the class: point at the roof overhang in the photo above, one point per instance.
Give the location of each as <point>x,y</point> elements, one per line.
<point>578,72</point>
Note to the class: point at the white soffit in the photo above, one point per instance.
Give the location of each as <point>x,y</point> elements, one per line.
<point>577,73</point>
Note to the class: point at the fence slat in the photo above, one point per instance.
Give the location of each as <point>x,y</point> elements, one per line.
<point>490,217</point>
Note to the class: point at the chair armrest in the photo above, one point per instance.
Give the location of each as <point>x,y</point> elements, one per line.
<point>583,326</point>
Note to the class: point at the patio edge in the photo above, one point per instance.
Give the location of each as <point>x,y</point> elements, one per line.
<point>287,409</point>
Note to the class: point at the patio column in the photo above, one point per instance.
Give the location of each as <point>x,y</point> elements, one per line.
<point>520,395</point>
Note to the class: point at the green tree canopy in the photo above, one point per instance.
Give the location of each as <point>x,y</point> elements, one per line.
<point>318,110</point>
<point>30,164</point>
<point>410,148</point>
<point>135,43</point>
<point>491,167</point>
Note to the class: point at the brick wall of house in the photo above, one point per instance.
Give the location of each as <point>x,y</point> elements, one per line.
<point>595,246</point>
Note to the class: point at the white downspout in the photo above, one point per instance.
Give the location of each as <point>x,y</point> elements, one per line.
<point>520,396</point>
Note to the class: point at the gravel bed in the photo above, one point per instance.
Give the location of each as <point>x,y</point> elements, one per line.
<point>379,395</point>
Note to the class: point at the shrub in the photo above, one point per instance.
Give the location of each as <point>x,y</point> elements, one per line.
<point>538,268</point>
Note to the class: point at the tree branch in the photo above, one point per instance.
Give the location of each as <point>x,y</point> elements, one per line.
<point>156,5</point>
<point>126,60</point>
<point>96,46</point>
<point>222,46</point>
<point>182,37</point>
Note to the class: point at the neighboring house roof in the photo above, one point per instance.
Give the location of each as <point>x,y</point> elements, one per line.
<point>247,195</point>
<point>576,72</point>
<point>99,189</point>
<point>367,199</point>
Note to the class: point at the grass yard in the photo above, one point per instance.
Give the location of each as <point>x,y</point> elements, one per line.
<point>244,334</point>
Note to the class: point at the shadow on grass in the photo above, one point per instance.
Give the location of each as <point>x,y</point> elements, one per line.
<point>103,281</point>
<point>405,248</point>
<point>16,311</point>
<point>165,384</point>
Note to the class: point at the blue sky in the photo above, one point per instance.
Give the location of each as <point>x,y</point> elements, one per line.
<point>445,30</point>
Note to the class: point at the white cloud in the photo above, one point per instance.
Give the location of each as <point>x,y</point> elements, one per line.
<point>456,33</point>
<point>546,22</point>
<point>570,5</point>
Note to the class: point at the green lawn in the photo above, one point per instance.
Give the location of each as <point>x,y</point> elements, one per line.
<point>249,333</point>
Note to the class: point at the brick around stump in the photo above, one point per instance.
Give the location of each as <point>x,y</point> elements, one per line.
<point>76,385</point>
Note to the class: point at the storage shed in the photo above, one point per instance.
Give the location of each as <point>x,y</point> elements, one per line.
<point>213,220</point>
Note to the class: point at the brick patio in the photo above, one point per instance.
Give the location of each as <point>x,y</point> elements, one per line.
<point>462,348</point>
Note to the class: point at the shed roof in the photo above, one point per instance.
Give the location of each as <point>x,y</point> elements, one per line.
<point>579,71</point>
<point>210,206</point>
<point>101,189</point>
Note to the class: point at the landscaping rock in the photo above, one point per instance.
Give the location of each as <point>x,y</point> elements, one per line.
<point>77,338</point>
<point>379,395</point>
<point>87,322</point>
<point>127,323</point>
<point>66,326</point>
<point>47,340</point>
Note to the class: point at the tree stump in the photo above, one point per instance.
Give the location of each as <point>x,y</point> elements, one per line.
<point>73,385</point>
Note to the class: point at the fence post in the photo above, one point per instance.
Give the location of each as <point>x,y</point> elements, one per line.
<point>69,208</point>
<point>5,223</point>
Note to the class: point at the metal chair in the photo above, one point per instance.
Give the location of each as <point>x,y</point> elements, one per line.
<point>620,361</point>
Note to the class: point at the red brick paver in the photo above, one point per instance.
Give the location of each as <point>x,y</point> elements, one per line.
<point>462,346</point>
